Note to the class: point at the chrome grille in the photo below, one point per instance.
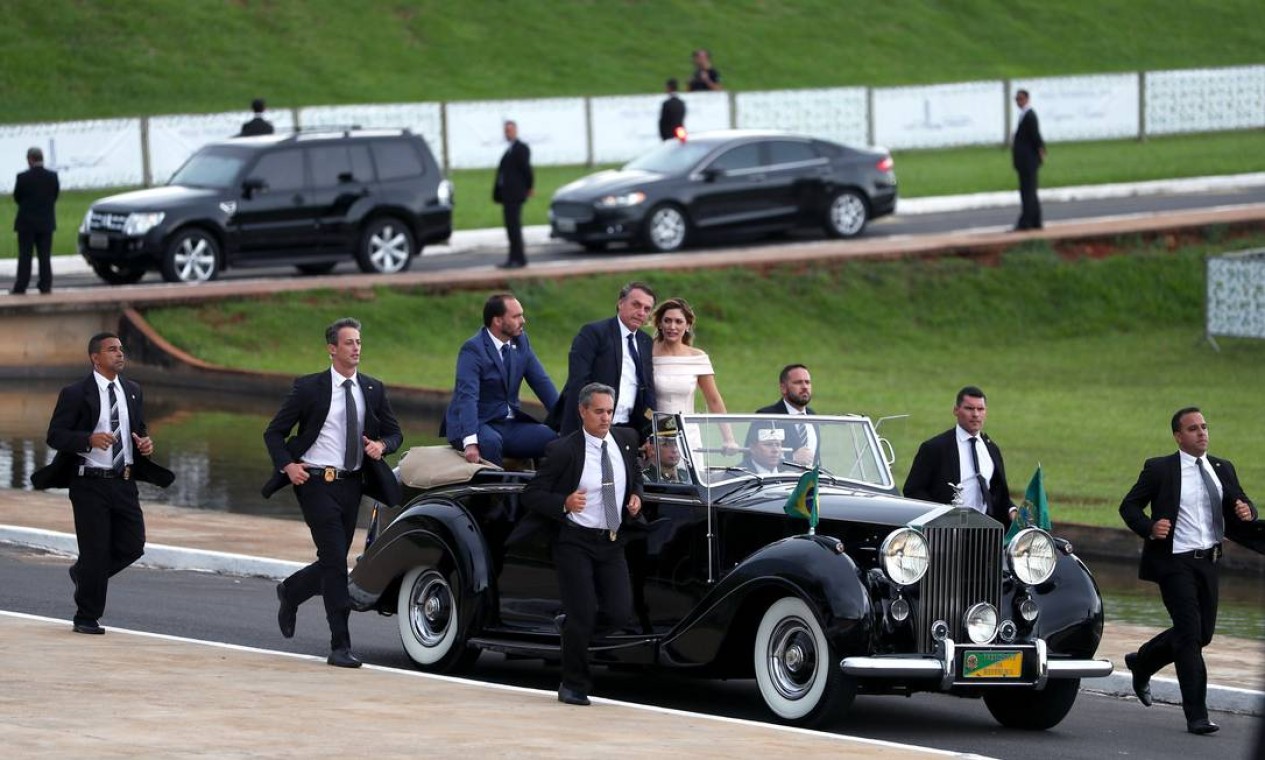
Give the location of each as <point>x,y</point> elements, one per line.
<point>966,561</point>
<point>103,220</point>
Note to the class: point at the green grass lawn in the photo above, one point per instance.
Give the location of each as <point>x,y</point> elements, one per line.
<point>1083,362</point>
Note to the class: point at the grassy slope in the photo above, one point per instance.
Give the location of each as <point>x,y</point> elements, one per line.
<point>1083,362</point>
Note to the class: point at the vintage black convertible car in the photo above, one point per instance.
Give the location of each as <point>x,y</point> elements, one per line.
<point>889,596</point>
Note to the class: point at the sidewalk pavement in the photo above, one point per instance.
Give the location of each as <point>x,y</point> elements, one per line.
<point>187,539</point>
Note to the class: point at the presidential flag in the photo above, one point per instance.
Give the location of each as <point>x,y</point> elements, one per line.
<point>803,500</point>
<point>1035,510</point>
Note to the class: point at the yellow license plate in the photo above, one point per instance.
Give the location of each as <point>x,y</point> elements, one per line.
<point>1003,663</point>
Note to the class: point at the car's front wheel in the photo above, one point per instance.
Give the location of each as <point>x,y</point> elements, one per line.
<point>119,274</point>
<point>1034,710</point>
<point>430,623</point>
<point>666,229</point>
<point>847,214</point>
<point>799,677</point>
<point>386,247</point>
<point>193,255</point>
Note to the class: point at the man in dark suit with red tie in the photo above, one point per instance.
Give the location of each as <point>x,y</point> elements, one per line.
<point>345,428</point>
<point>103,447</point>
<point>1195,501</point>
<point>484,419</point>
<point>587,484</point>
<point>1027,153</point>
<point>515,183</point>
<point>617,353</point>
<point>963,455</point>
<point>35,191</point>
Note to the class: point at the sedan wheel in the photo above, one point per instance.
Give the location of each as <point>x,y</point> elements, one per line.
<point>798,675</point>
<point>192,256</point>
<point>666,229</point>
<point>429,622</point>
<point>846,215</point>
<point>386,247</point>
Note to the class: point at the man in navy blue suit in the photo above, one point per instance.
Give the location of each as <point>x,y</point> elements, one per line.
<point>484,419</point>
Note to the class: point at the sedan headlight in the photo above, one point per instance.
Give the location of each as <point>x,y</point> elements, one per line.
<point>905,557</point>
<point>1032,556</point>
<point>981,623</point>
<point>621,201</point>
<point>139,223</point>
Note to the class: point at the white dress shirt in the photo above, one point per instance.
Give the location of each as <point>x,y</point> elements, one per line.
<point>1194,529</point>
<point>972,493</point>
<point>328,449</point>
<point>104,458</point>
<point>810,432</point>
<point>627,378</point>
<point>594,513</point>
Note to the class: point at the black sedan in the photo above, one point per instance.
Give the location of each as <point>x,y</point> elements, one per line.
<point>732,182</point>
<point>886,596</point>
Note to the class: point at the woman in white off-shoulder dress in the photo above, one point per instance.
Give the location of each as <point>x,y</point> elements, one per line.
<point>680,369</point>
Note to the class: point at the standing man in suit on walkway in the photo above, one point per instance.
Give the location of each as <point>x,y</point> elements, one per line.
<point>796,385</point>
<point>1195,501</point>
<point>35,191</point>
<point>671,113</point>
<point>588,483</point>
<point>484,419</point>
<point>1028,153</point>
<point>345,428</point>
<point>103,447</point>
<point>515,183</point>
<point>258,125</point>
<point>612,352</point>
<point>963,454</point>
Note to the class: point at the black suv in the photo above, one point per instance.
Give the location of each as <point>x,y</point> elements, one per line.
<point>309,199</point>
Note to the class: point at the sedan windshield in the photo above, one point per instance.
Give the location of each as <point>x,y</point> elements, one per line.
<point>671,157</point>
<point>213,167</point>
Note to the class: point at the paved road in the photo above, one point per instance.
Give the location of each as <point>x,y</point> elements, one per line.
<point>243,611</point>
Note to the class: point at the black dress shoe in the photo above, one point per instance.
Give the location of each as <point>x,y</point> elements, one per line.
<point>1202,726</point>
<point>343,658</point>
<point>90,626</point>
<point>286,613</point>
<point>570,696</point>
<point>1141,683</point>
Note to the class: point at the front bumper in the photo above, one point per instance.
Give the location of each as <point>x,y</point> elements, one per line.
<point>945,666</point>
<point>589,224</point>
<point>99,247</point>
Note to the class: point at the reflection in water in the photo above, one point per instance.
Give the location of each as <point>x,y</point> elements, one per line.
<point>214,444</point>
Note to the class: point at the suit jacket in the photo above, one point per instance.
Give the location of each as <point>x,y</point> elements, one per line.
<point>597,356</point>
<point>794,439</point>
<point>937,464</point>
<point>514,176</point>
<point>671,116</point>
<point>75,417</point>
<point>308,405</point>
<point>483,390</point>
<point>559,475</point>
<point>1159,486</point>
<point>256,126</point>
<point>1027,146</point>
<point>35,191</point>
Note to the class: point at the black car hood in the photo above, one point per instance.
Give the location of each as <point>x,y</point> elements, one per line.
<point>841,504</point>
<point>610,182</point>
<point>158,199</point>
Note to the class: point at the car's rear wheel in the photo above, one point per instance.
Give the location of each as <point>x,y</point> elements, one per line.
<point>386,247</point>
<point>119,274</point>
<point>430,622</point>
<point>315,269</point>
<point>847,214</point>
<point>799,677</point>
<point>1034,710</point>
<point>666,228</point>
<point>193,255</point>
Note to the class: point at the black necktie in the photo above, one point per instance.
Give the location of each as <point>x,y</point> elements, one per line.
<point>505,361</point>
<point>636,357</point>
<point>116,429</point>
<point>983,484</point>
<point>1214,500</point>
<point>609,507</point>
<point>352,424</point>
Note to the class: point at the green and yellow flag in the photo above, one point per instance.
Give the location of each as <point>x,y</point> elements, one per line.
<point>1035,510</point>
<point>803,500</point>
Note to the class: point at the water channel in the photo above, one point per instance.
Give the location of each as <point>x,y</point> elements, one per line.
<point>214,444</point>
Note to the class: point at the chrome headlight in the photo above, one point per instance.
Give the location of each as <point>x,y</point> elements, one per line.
<point>1032,556</point>
<point>981,623</point>
<point>621,201</point>
<point>86,224</point>
<point>139,223</point>
<point>904,556</point>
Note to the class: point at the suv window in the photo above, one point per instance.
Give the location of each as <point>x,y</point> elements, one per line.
<point>209,168</point>
<point>789,152</point>
<point>396,159</point>
<point>332,165</point>
<point>742,157</point>
<point>282,170</point>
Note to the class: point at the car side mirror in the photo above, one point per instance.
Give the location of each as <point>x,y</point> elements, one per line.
<point>710,175</point>
<point>252,185</point>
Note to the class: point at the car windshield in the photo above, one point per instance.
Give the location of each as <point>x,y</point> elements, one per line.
<point>212,167</point>
<point>721,448</point>
<point>671,157</point>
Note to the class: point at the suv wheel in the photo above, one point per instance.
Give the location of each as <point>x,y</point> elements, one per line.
<point>386,247</point>
<point>191,256</point>
<point>119,274</point>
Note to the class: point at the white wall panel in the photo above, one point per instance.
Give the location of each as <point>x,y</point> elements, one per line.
<point>173,138</point>
<point>969,113</point>
<point>555,129</point>
<point>839,114</point>
<point>85,154</point>
<point>625,126</point>
<point>1205,100</point>
<point>1101,107</point>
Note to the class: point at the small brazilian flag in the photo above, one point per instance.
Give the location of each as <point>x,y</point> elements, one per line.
<point>803,500</point>
<point>1035,510</point>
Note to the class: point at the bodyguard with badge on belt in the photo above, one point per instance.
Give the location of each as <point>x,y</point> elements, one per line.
<point>345,428</point>
<point>103,448</point>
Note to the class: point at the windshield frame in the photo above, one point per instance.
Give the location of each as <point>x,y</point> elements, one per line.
<point>671,158</point>
<point>212,152</point>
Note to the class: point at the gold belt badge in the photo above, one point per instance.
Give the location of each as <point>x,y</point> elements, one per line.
<point>330,474</point>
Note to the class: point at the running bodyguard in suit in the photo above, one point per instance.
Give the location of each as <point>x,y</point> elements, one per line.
<point>35,191</point>
<point>103,447</point>
<point>588,482</point>
<point>484,419</point>
<point>1195,501</point>
<point>345,428</point>
<point>515,183</point>
<point>1027,153</point>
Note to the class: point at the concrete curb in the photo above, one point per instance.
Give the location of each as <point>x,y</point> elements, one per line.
<point>1163,690</point>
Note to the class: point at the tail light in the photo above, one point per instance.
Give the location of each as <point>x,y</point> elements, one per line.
<point>885,164</point>
<point>679,133</point>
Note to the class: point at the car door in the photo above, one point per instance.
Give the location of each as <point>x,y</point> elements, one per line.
<point>795,177</point>
<point>274,219</point>
<point>342,177</point>
<point>730,190</point>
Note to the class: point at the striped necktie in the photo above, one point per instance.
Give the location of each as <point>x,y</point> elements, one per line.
<point>116,429</point>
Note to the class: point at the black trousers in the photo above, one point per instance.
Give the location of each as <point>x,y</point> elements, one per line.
<point>1030,211</point>
<point>592,578</point>
<point>110,530</point>
<point>1189,590</point>
<point>512,213</point>
<point>41,242</point>
<point>330,511</point>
